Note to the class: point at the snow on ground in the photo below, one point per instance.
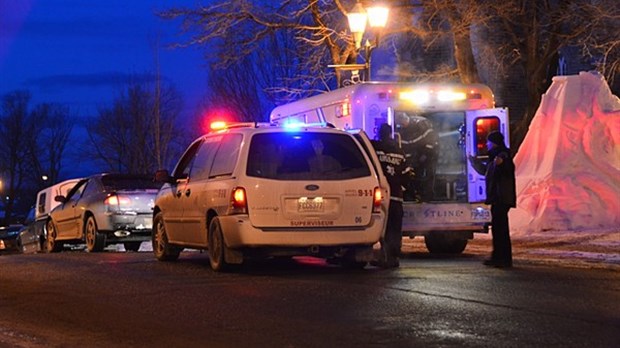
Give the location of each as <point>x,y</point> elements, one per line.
<point>568,167</point>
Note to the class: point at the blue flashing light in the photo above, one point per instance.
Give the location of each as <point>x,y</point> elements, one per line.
<point>293,125</point>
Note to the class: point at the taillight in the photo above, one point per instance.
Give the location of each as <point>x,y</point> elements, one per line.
<point>238,203</point>
<point>117,202</point>
<point>377,199</point>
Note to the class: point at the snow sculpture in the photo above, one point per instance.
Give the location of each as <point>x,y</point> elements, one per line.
<point>568,167</point>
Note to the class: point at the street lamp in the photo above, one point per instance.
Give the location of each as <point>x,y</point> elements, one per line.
<point>376,16</point>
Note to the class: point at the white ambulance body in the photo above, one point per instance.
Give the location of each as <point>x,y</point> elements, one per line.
<point>461,116</point>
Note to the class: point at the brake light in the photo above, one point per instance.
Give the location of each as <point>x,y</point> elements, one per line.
<point>115,202</point>
<point>239,204</point>
<point>377,199</point>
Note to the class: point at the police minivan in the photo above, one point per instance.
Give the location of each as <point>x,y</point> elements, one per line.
<point>252,190</point>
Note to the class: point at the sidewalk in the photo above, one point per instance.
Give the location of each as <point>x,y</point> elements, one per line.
<point>598,249</point>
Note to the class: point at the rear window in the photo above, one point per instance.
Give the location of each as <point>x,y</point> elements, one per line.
<point>305,156</point>
<point>117,183</point>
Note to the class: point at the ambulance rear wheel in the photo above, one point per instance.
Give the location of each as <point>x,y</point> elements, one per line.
<point>438,243</point>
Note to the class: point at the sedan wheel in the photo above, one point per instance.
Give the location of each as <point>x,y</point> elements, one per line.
<point>161,248</point>
<point>51,245</point>
<point>217,247</point>
<point>95,241</point>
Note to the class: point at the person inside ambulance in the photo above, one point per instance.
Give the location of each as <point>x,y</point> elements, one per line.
<point>398,175</point>
<point>320,162</point>
<point>420,143</point>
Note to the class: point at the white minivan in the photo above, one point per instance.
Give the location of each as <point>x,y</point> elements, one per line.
<point>260,190</point>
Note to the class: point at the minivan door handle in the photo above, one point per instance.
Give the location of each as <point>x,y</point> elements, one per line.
<point>188,192</point>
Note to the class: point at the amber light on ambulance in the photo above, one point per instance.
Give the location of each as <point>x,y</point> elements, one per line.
<point>238,202</point>
<point>377,199</point>
<point>417,96</point>
<point>450,96</point>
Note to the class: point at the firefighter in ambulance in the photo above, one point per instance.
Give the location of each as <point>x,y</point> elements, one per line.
<point>420,143</point>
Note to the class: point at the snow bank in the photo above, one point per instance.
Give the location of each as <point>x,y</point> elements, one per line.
<point>568,167</point>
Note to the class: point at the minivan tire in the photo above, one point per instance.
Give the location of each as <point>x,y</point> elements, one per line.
<point>217,247</point>
<point>161,248</point>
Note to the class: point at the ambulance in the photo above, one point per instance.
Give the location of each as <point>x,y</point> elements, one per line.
<point>445,203</point>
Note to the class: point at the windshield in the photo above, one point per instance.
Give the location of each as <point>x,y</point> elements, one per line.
<point>306,156</point>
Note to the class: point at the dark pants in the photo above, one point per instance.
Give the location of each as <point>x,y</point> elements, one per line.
<point>393,239</point>
<point>502,249</point>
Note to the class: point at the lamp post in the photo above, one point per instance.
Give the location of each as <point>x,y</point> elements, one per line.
<point>376,16</point>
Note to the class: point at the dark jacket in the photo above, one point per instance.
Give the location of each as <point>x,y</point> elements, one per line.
<point>500,179</point>
<point>392,159</point>
<point>420,142</point>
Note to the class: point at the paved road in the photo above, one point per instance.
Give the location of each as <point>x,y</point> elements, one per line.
<point>128,299</point>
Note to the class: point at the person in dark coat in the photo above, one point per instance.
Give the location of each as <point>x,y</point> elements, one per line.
<point>501,195</point>
<point>398,173</point>
<point>420,143</point>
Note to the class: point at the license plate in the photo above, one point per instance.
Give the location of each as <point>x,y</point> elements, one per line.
<point>480,214</point>
<point>310,205</point>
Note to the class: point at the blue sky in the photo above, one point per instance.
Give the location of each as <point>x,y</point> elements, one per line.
<point>80,53</point>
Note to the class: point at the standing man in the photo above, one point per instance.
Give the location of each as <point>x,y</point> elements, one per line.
<point>397,172</point>
<point>501,195</point>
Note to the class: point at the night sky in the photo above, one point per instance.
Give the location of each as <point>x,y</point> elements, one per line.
<point>81,53</point>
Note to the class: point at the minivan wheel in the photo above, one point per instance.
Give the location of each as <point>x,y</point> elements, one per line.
<point>51,245</point>
<point>95,241</point>
<point>161,248</point>
<point>217,247</point>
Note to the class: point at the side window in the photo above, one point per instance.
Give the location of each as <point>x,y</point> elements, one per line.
<point>484,126</point>
<point>41,203</point>
<point>181,171</point>
<point>91,188</point>
<point>204,158</point>
<point>77,190</point>
<point>227,154</point>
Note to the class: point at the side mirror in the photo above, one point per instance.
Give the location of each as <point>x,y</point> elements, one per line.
<point>163,176</point>
<point>61,199</point>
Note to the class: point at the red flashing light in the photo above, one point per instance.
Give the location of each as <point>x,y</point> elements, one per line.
<point>217,125</point>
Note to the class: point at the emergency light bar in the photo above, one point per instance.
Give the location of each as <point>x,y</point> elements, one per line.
<point>221,125</point>
<point>423,96</point>
<point>297,125</point>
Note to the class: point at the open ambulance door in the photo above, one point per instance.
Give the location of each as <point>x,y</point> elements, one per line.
<point>479,123</point>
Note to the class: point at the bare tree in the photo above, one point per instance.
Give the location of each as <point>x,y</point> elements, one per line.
<point>49,139</point>
<point>235,29</point>
<point>537,30</point>
<point>14,126</point>
<point>123,136</point>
